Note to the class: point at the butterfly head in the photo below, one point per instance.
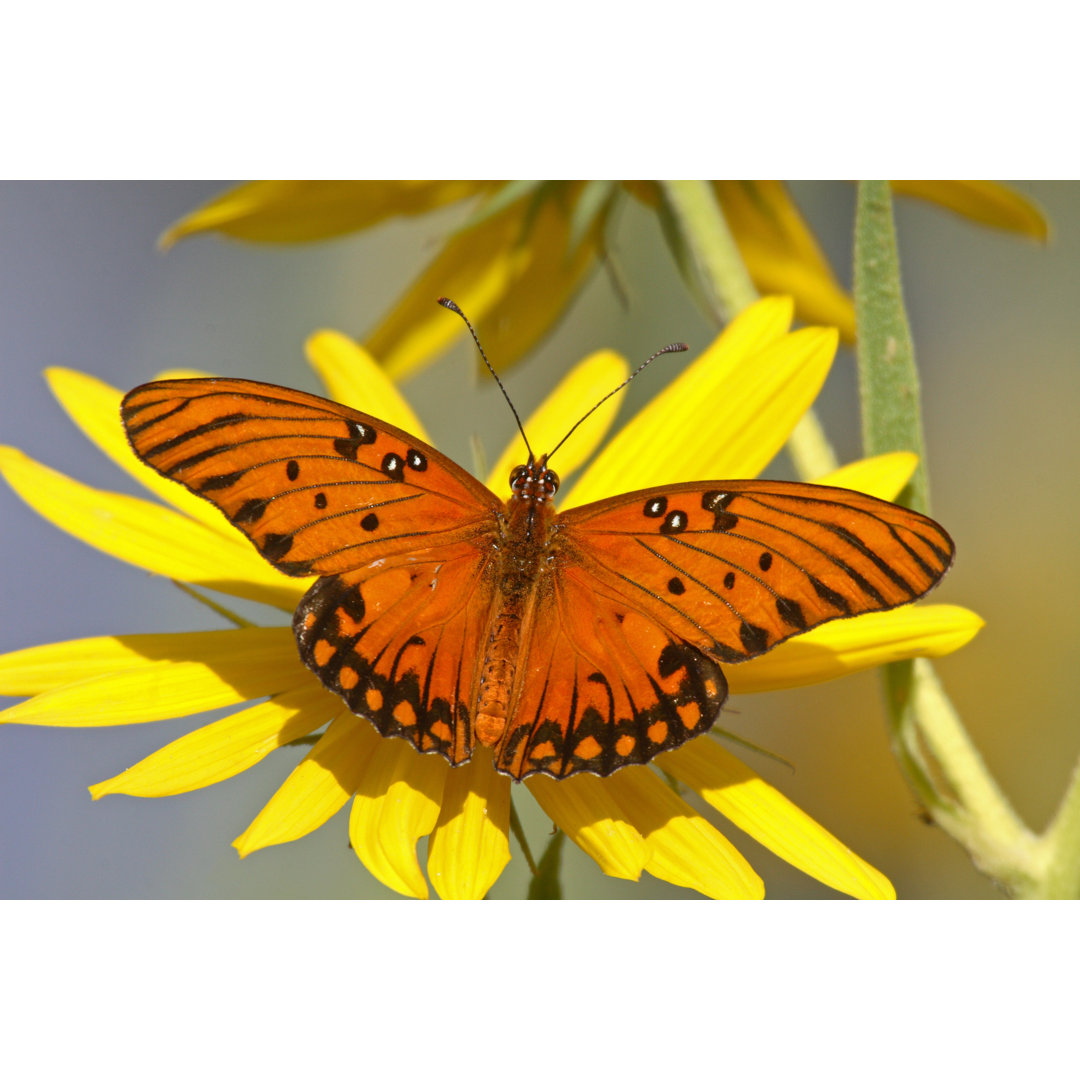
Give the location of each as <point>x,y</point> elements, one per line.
<point>534,482</point>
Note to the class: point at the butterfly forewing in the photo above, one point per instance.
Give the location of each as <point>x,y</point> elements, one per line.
<point>737,567</point>
<point>319,488</point>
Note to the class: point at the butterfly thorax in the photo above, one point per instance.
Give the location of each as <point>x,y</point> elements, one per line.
<point>523,563</point>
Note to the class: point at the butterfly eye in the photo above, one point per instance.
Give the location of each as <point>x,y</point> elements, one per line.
<point>517,476</point>
<point>550,482</point>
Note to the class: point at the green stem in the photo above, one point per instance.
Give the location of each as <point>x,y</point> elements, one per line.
<point>704,246</point>
<point>934,751</point>
<point>888,377</point>
<point>1059,846</point>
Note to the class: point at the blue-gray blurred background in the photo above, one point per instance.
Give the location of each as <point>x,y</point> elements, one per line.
<point>996,322</point>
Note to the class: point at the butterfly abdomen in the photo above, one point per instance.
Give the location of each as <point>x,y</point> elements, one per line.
<point>523,562</point>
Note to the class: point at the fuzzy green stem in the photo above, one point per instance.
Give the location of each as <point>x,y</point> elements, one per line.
<point>935,753</point>
<point>888,377</point>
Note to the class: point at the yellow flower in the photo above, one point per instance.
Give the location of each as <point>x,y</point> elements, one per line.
<point>529,247</point>
<point>752,384</point>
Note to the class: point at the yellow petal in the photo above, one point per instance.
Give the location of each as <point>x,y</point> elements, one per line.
<point>848,645</point>
<point>781,253</point>
<point>984,201</point>
<point>317,788</point>
<point>297,211</point>
<point>683,847</point>
<point>470,844</point>
<point>46,667</point>
<point>397,802</point>
<point>757,808</point>
<point>883,476</point>
<point>217,751</point>
<point>94,406</point>
<point>511,274</point>
<point>725,417</point>
<point>247,664</point>
<point>583,808</point>
<point>584,385</point>
<point>185,373</point>
<point>148,535</point>
<point>354,378</point>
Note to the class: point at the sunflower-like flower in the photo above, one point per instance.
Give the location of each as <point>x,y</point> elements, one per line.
<point>752,384</point>
<point>528,247</point>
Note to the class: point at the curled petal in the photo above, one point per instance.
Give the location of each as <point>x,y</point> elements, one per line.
<point>757,808</point>
<point>397,801</point>
<point>354,378</point>
<point>148,535</point>
<point>582,807</point>
<point>153,689</point>
<point>317,788</point>
<point>848,645</point>
<point>299,211</point>
<point>781,253</point>
<point>984,201</point>
<point>512,274</point>
<point>683,847</point>
<point>470,844</point>
<point>226,747</point>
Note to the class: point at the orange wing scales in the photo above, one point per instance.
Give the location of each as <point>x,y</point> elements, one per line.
<point>738,570</point>
<point>604,687</point>
<point>400,646</point>
<point>574,642</point>
<point>317,487</point>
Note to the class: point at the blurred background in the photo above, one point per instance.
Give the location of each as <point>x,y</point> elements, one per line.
<point>996,323</point>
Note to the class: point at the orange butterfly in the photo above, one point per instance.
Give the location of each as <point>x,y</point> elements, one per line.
<point>568,642</point>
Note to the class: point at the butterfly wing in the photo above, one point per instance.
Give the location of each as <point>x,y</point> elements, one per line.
<point>399,641</point>
<point>737,567</point>
<point>602,684</point>
<point>319,488</point>
<point>402,539</point>
<point>652,590</point>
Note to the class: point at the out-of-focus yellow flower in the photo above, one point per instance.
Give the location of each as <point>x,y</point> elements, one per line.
<point>529,246</point>
<point>759,374</point>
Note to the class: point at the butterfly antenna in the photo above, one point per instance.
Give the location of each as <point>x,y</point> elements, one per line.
<point>451,306</point>
<point>675,346</point>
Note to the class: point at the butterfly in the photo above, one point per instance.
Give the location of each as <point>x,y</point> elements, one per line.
<point>571,642</point>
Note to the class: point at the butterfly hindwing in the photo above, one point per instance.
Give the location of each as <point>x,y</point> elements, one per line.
<point>738,567</point>
<point>319,488</point>
<point>602,685</point>
<point>400,643</point>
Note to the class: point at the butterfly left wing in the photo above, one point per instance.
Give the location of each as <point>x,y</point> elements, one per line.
<point>736,567</point>
<point>318,488</point>
<point>401,536</point>
<point>400,641</point>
